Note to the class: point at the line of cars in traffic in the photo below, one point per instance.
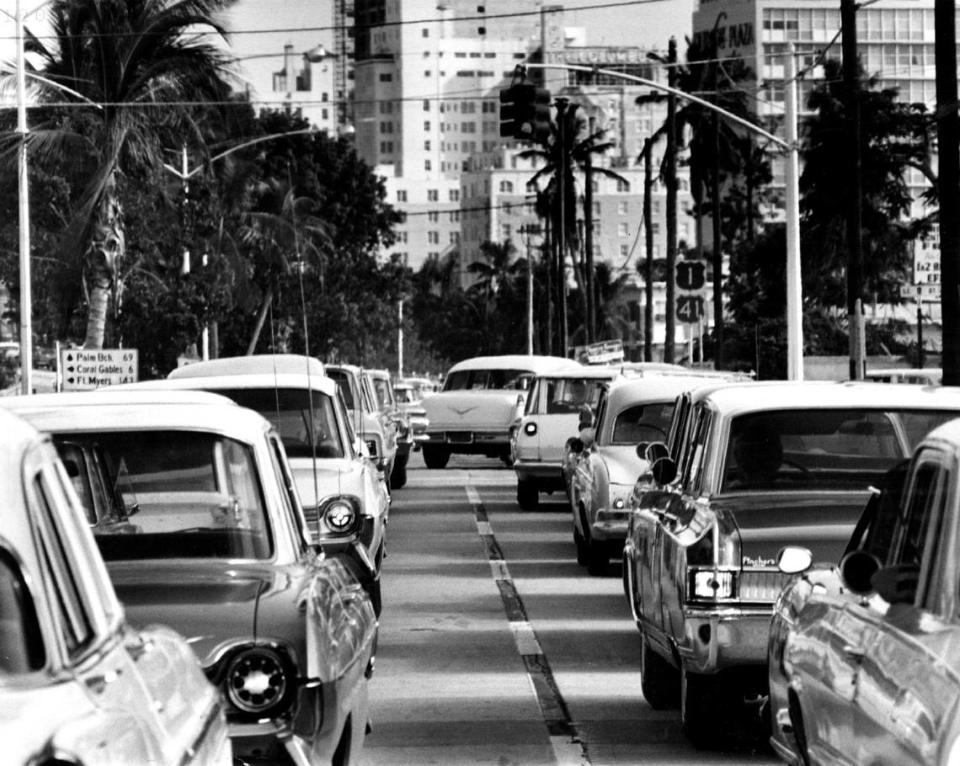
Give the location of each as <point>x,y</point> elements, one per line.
<point>239,504</point>
<point>789,550</point>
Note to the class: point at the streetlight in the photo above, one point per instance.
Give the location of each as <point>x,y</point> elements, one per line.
<point>184,173</point>
<point>790,146</point>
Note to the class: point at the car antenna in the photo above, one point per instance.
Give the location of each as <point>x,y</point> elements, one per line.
<point>311,434</point>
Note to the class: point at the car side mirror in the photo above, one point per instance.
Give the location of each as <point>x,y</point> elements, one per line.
<point>793,559</point>
<point>857,569</point>
<point>664,470</point>
<point>897,584</point>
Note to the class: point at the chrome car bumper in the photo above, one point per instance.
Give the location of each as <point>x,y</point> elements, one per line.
<point>610,525</point>
<point>719,638</point>
<point>541,471</point>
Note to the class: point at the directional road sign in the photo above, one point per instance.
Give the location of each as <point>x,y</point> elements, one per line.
<point>92,368</point>
<point>691,275</point>
<point>689,308</point>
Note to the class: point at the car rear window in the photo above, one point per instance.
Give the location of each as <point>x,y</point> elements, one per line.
<point>187,494</point>
<point>292,411</point>
<point>642,423</point>
<point>483,380</point>
<point>822,448</point>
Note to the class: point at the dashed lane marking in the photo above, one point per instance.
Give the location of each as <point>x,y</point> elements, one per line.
<point>569,748</point>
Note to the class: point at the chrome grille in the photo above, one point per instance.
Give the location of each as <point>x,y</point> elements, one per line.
<point>761,585</point>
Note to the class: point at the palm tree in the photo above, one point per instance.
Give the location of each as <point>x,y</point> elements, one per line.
<point>137,62</point>
<point>564,155</point>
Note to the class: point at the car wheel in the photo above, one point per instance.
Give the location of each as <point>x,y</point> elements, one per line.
<point>700,710</point>
<point>659,680</point>
<point>528,494</point>
<point>595,556</point>
<point>398,477</point>
<point>435,457</point>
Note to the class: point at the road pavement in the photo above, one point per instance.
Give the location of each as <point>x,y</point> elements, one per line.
<point>497,648</point>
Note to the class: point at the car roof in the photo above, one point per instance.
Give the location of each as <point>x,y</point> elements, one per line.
<point>127,410</point>
<point>255,363</point>
<point>626,391</point>
<point>18,434</point>
<point>252,381</point>
<point>737,398</point>
<point>531,362</point>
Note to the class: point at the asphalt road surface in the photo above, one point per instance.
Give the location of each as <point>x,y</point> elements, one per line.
<point>497,648</point>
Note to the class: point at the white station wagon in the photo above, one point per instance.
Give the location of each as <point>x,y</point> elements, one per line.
<point>480,400</point>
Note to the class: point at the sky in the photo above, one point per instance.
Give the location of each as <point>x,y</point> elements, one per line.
<point>647,23</point>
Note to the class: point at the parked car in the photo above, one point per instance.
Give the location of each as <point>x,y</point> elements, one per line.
<point>378,432</point>
<point>885,622</point>
<point>409,399</point>
<point>382,385</point>
<point>552,415</point>
<point>752,468</point>
<point>631,411</point>
<point>345,502</point>
<point>480,400</point>
<point>78,684</point>
<point>212,541</point>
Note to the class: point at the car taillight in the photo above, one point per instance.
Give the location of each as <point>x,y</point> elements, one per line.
<point>711,584</point>
<point>258,681</point>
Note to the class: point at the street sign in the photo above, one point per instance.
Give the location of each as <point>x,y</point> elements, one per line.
<point>926,263</point>
<point>691,275</point>
<point>927,292</point>
<point>91,368</point>
<point>689,308</point>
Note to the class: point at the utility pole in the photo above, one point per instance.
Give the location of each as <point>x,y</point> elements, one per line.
<point>948,143</point>
<point>525,232</point>
<point>670,181</point>
<point>23,188</point>
<point>562,126</point>
<point>400,338</point>
<point>648,243</point>
<point>715,219</point>
<point>588,243</point>
<point>851,81</point>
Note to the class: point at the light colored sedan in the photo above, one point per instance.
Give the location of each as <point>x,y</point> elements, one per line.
<point>211,539</point>
<point>77,684</point>
<point>631,412</point>
<point>346,503</point>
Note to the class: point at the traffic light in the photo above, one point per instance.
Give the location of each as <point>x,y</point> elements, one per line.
<point>525,112</point>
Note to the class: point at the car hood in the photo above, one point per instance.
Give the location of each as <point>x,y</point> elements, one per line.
<point>765,522</point>
<point>210,603</point>
<point>623,465</point>
<point>338,476</point>
<point>462,410</point>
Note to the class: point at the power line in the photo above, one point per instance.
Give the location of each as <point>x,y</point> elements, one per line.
<point>381,25</point>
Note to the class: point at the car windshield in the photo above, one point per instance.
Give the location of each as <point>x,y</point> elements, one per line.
<point>189,494</point>
<point>482,380</point>
<point>291,411</point>
<point>646,422</point>
<point>822,448</point>
<point>342,379</point>
<point>404,395</point>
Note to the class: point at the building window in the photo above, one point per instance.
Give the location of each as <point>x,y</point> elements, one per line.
<point>454,237</point>
<point>624,251</point>
<point>426,107</point>
<point>386,77</point>
<point>427,165</point>
<point>655,228</point>
<point>623,230</point>
<point>433,237</point>
<point>425,32</point>
<point>623,186</point>
<point>433,195</point>
<point>426,125</point>
<point>433,216</point>
<point>481,31</point>
<point>506,187</point>
<point>401,195</point>
<point>454,195</point>
<point>622,207</point>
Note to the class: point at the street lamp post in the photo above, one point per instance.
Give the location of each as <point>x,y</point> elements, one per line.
<point>794,298</point>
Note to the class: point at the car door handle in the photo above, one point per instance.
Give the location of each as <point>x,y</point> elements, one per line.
<point>855,653</point>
